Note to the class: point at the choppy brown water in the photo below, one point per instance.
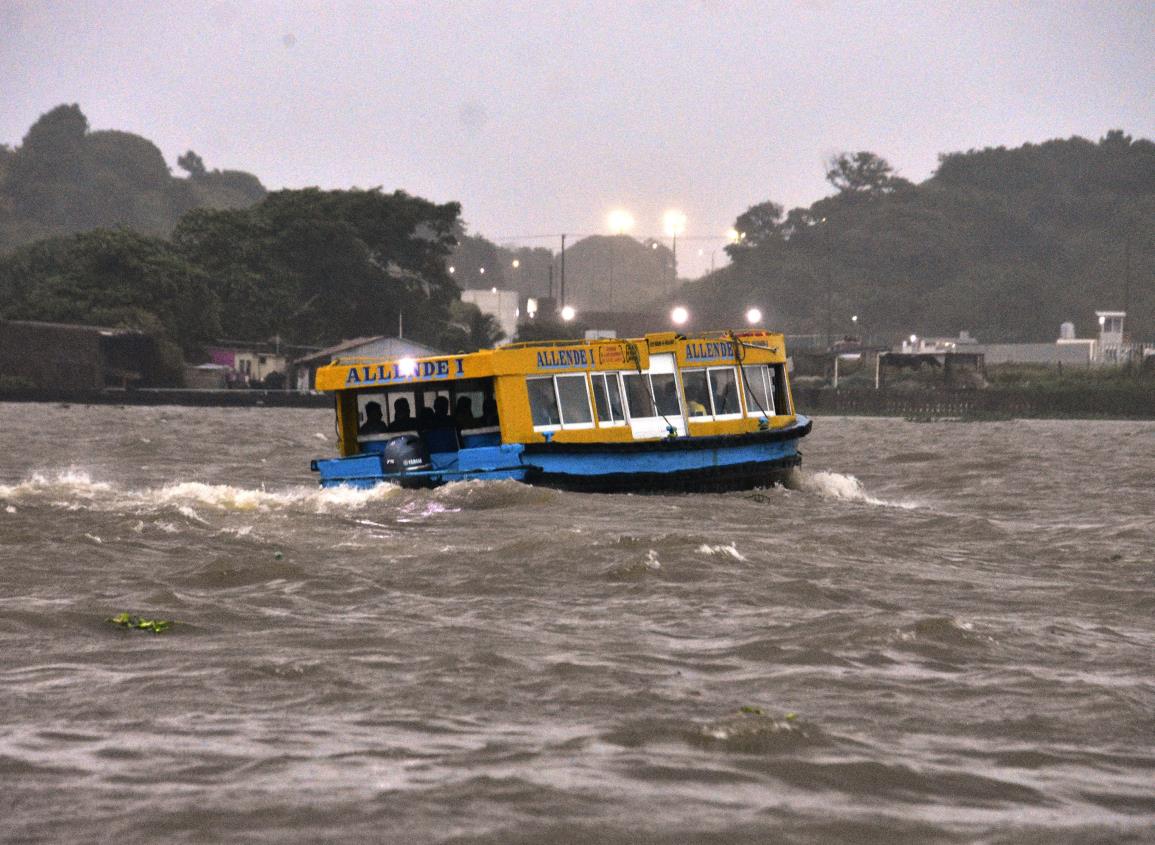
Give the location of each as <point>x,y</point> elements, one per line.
<point>960,616</point>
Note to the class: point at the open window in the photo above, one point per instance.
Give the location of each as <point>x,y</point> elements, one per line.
<point>608,399</point>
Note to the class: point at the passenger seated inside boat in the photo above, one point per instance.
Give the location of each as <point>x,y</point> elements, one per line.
<point>374,422</point>
<point>489,411</point>
<point>425,418</point>
<point>463,413</point>
<point>441,412</point>
<point>695,402</point>
<point>402,420</point>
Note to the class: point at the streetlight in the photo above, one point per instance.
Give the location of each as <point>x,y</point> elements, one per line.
<point>516,264</point>
<point>675,223</point>
<point>679,315</point>
<point>620,221</point>
<point>567,313</point>
<point>854,320</point>
<point>754,316</point>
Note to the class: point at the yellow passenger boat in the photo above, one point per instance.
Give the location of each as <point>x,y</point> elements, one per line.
<point>664,412</point>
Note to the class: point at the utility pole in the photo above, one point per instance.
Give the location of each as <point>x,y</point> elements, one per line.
<point>563,271</point>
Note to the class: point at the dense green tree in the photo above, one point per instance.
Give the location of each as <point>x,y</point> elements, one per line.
<point>756,226</point>
<point>318,266</point>
<point>110,278</point>
<point>863,173</point>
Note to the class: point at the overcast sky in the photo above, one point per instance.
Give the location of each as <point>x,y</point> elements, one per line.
<point>541,117</point>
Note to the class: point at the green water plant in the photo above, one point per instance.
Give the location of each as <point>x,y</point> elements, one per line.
<point>127,620</point>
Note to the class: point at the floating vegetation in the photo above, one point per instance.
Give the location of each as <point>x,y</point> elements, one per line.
<point>127,620</point>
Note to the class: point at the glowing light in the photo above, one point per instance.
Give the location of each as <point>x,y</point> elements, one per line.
<point>516,263</point>
<point>854,319</point>
<point>913,339</point>
<point>733,236</point>
<point>753,316</point>
<point>481,271</point>
<point>568,313</point>
<point>493,290</point>
<point>620,221</point>
<point>679,315</point>
<point>531,306</point>
<point>452,269</point>
<point>407,367</point>
<point>674,223</point>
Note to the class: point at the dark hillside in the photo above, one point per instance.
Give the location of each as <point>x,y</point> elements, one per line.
<point>1005,243</point>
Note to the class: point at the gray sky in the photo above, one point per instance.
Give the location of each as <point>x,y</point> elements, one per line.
<point>541,117</point>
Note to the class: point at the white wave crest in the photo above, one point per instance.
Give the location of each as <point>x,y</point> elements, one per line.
<point>730,551</point>
<point>74,489</point>
<point>71,482</point>
<point>846,488</point>
<point>229,498</point>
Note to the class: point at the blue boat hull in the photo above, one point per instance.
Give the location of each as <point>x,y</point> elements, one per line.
<point>726,462</point>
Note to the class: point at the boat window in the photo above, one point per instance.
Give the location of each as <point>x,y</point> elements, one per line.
<point>724,391</point>
<point>759,392</point>
<point>638,398</point>
<point>608,396</point>
<point>778,385</point>
<point>542,402</point>
<point>575,401</point>
<point>666,394</point>
<point>697,393</point>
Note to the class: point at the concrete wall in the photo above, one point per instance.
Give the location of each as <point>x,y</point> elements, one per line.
<point>51,357</point>
<point>1033,353</point>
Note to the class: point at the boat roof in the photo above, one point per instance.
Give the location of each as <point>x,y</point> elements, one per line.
<point>548,356</point>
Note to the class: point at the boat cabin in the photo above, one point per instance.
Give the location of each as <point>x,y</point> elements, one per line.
<point>593,391</point>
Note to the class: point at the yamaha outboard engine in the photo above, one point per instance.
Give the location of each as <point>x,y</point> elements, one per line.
<point>405,453</point>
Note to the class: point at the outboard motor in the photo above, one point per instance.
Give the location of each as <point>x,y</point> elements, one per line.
<point>405,453</point>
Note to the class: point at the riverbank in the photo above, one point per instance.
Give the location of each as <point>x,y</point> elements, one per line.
<point>175,396</point>
<point>1134,401</point>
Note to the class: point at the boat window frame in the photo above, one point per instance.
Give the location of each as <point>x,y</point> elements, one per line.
<point>529,398</point>
<point>604,377</point>
<point>763,372</point>
<point>561,405</point>
<point>712,414</point>
<point>561,425</point>
<point>709,415</point>
<point>630,416</point>
<point>737,393</point>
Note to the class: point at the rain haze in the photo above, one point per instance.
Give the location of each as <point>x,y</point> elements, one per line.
<point>541,118</point>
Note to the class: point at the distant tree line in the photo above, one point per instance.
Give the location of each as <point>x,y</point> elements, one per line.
<point>64,178</point>
<point>1005,243</point>
<point>307,267</point>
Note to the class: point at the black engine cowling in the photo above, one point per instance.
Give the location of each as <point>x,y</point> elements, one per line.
<point>405,453</point>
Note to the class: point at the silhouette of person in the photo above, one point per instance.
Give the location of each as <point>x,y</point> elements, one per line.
<point>402,420</point>
<point>489,411</point>
<point>463,413</point>
<point>441,411</point>
<point>374,422</point>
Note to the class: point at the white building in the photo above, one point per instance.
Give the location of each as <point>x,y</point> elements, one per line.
<point>380,347</point>
<point>1113,349</point>
<point>502,305</point>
